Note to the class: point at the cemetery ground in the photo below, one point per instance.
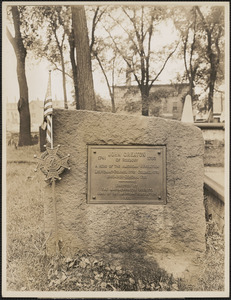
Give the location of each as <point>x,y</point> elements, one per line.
<point>30,269</point>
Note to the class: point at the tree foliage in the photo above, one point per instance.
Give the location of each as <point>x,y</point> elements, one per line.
<point>191,46</point>
<point>212,21</point>
<point>202,34</point>
<point>126,39</point>
<point>51,43</point>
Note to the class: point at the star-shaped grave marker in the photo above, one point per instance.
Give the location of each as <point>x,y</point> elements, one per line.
<point>52,164</point>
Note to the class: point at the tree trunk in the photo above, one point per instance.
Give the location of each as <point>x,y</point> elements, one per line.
<point>23,103</point>
<point>191,88</point>
<point>144,91</point>
<point>145,110</point>
<point>212,79</point>
<point>86,96</point>
<point>74,66</point>
<point>145,100</point>
<point>213,71</point>
<point>113,109</point>
<point>113,87</point>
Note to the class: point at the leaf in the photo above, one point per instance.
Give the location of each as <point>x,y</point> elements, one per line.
<point>87,261</point>
<point>131,280</point>
<point>103,285</point>
<point>175,287</point>
<point>64,277</point>
<point>68,260</point>
<point>97,277</point>
<point>110,285</point>
<point>51,283</point>
<point>92,282</point>
<point>71,264</point>
<point>113,268</point>
<point>82,264</point>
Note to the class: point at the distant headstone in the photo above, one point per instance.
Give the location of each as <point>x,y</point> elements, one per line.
<point>217,105</point>
<point>187,114</point>
<point>135,186</point>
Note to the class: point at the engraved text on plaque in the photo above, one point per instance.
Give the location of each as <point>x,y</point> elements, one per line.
<point>127,174</point>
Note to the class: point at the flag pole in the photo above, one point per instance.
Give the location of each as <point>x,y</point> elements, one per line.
<point>55,214</point>
<point>50,163</point>
<point>53,195</point>
<point>53,183</point>
<point>52,145</point>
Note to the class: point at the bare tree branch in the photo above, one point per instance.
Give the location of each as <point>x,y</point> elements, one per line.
<point>133,21</point>
<point>58,69</point>
<point>104,73</point>
<point>93,28</point>
<point>129,35</point>
<point>158,74</point>
<point>123,56</point>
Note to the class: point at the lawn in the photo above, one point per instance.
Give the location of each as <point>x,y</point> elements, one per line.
<point>30,269</point>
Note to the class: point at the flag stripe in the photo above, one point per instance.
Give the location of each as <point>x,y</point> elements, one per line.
<point>47,103</point>
<point>48,110</point>
<point>48,131</point>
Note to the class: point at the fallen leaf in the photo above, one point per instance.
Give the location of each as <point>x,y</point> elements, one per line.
<point>71,264</point>
<point>131,280</point>
<point>110,285</point>
<point>87,261</point>
<point>103,285</point>
<point>64,277</point>
<point>82,264</point>
<point>175,287</point>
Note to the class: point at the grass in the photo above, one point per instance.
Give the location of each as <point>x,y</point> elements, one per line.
<point>30,269</point>
<point>24,221</point>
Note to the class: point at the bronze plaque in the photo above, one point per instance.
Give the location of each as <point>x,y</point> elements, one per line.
<point>127,174</point>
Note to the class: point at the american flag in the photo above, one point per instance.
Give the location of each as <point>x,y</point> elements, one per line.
<point>48,110</point>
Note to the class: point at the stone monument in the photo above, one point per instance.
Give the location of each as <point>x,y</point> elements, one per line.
<point>135,186</point>
<point>187,114</point>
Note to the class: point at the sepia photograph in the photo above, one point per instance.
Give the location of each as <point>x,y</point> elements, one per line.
<point>115,149</point>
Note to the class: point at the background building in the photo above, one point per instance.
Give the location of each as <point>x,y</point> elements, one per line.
<point>36,114</point>
<point>166,100</point>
